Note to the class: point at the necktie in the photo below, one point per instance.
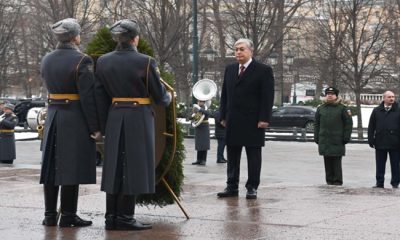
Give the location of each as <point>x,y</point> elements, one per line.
<point>241,70</point>
<point>387,109</point>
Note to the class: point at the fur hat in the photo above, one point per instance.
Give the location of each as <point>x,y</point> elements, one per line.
<point>124,30</point>
<point>66,29</point>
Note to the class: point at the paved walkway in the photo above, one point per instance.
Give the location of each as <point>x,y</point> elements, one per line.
<point>293,202</point>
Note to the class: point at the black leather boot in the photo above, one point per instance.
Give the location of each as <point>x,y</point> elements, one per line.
<point>125,213</point>
<point>69,205</point>
<point>111,211</point>
<point>50,203</point>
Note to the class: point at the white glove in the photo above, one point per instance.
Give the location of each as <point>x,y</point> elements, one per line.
<point>196,108</point>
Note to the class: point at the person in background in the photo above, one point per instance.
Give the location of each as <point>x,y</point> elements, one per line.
<point>8,121</point>
<point>384,136</point>
<point>246,104</point>
<point>332,131</point>
<point>220,136</point>
<point>71,126</point>
<point>202,134</point>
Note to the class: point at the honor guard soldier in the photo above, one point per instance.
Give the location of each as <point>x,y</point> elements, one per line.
<point>69,149</point>
<point>126,79</point>
<point>8,121</point>
<point>202,134</point>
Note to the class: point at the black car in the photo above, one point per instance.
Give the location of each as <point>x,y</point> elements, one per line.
<point>293,116</point>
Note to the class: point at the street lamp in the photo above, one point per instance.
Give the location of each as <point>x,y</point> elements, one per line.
<point>289,61</point>
<point>195,75</point>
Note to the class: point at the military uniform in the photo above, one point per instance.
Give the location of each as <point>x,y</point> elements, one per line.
<point>69,152</point>
<point>202,138</point>
<point>333,127</point>
<point>8,121</point>
<point>126,81</point>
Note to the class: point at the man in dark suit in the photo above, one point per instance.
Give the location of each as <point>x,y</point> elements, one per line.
<point>126,81</point>
<point>246,106</point>
<point>384,136</point>
<point>69,148</point>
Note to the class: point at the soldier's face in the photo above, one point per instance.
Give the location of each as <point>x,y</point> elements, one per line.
<point>243,53</point>
<point>330,97</point>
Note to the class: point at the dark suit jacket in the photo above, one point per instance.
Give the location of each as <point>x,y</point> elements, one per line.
<point>245,101</point>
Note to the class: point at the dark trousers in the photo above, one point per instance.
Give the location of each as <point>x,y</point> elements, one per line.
<point>253,164</point>
<point>202,156</point>
<point>380,158</point>
<point>333,170</point>
<point>220,148</point>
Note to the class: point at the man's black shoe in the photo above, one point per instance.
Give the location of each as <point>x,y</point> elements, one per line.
<point>196,163</point>
<point>251,193</point>
<point>378,186</point>
<point>228,193</point>
<point>202,163</point>
<point>73,221</point>
<point>131,225</point>
<point>395,186</point>
<point>222,161</point>
<point>50,221</point>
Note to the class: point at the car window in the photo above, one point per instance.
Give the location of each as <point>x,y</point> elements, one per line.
<point>292,111</point>
<point>279,111</point>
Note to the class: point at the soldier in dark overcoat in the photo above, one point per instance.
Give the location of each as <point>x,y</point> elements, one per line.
<point>246,105</point>
<point>69,150</point>
<point>201,134</point>
<point>127,82</point>
<point>332,131</point>
<point>8,121</point>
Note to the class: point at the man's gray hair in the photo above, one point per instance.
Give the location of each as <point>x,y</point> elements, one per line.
<point>246,41</point>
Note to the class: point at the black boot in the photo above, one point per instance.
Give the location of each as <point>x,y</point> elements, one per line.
<point>111,211</point>
<point>50,203</point>
<point>69,205</point>
<point>125,212</point>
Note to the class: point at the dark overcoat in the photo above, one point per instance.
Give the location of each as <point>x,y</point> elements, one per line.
<point>125,73</point>
<point>69,153</point>
<point>219,129</point>
<point>202,133</point>
<point>384,128</point>
<point>332,128</point>
<point>245,101</point>
<point>7,138</point>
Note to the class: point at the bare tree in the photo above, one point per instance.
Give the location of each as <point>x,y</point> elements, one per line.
<point>362,54</point>
<point>9,16</point>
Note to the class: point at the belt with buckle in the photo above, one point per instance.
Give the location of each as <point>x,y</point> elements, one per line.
<point>7,130</point>
<point>64,98</point>
<point>130,101</point>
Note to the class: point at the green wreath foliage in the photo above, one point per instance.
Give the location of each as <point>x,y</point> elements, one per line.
<point>103,43</point>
